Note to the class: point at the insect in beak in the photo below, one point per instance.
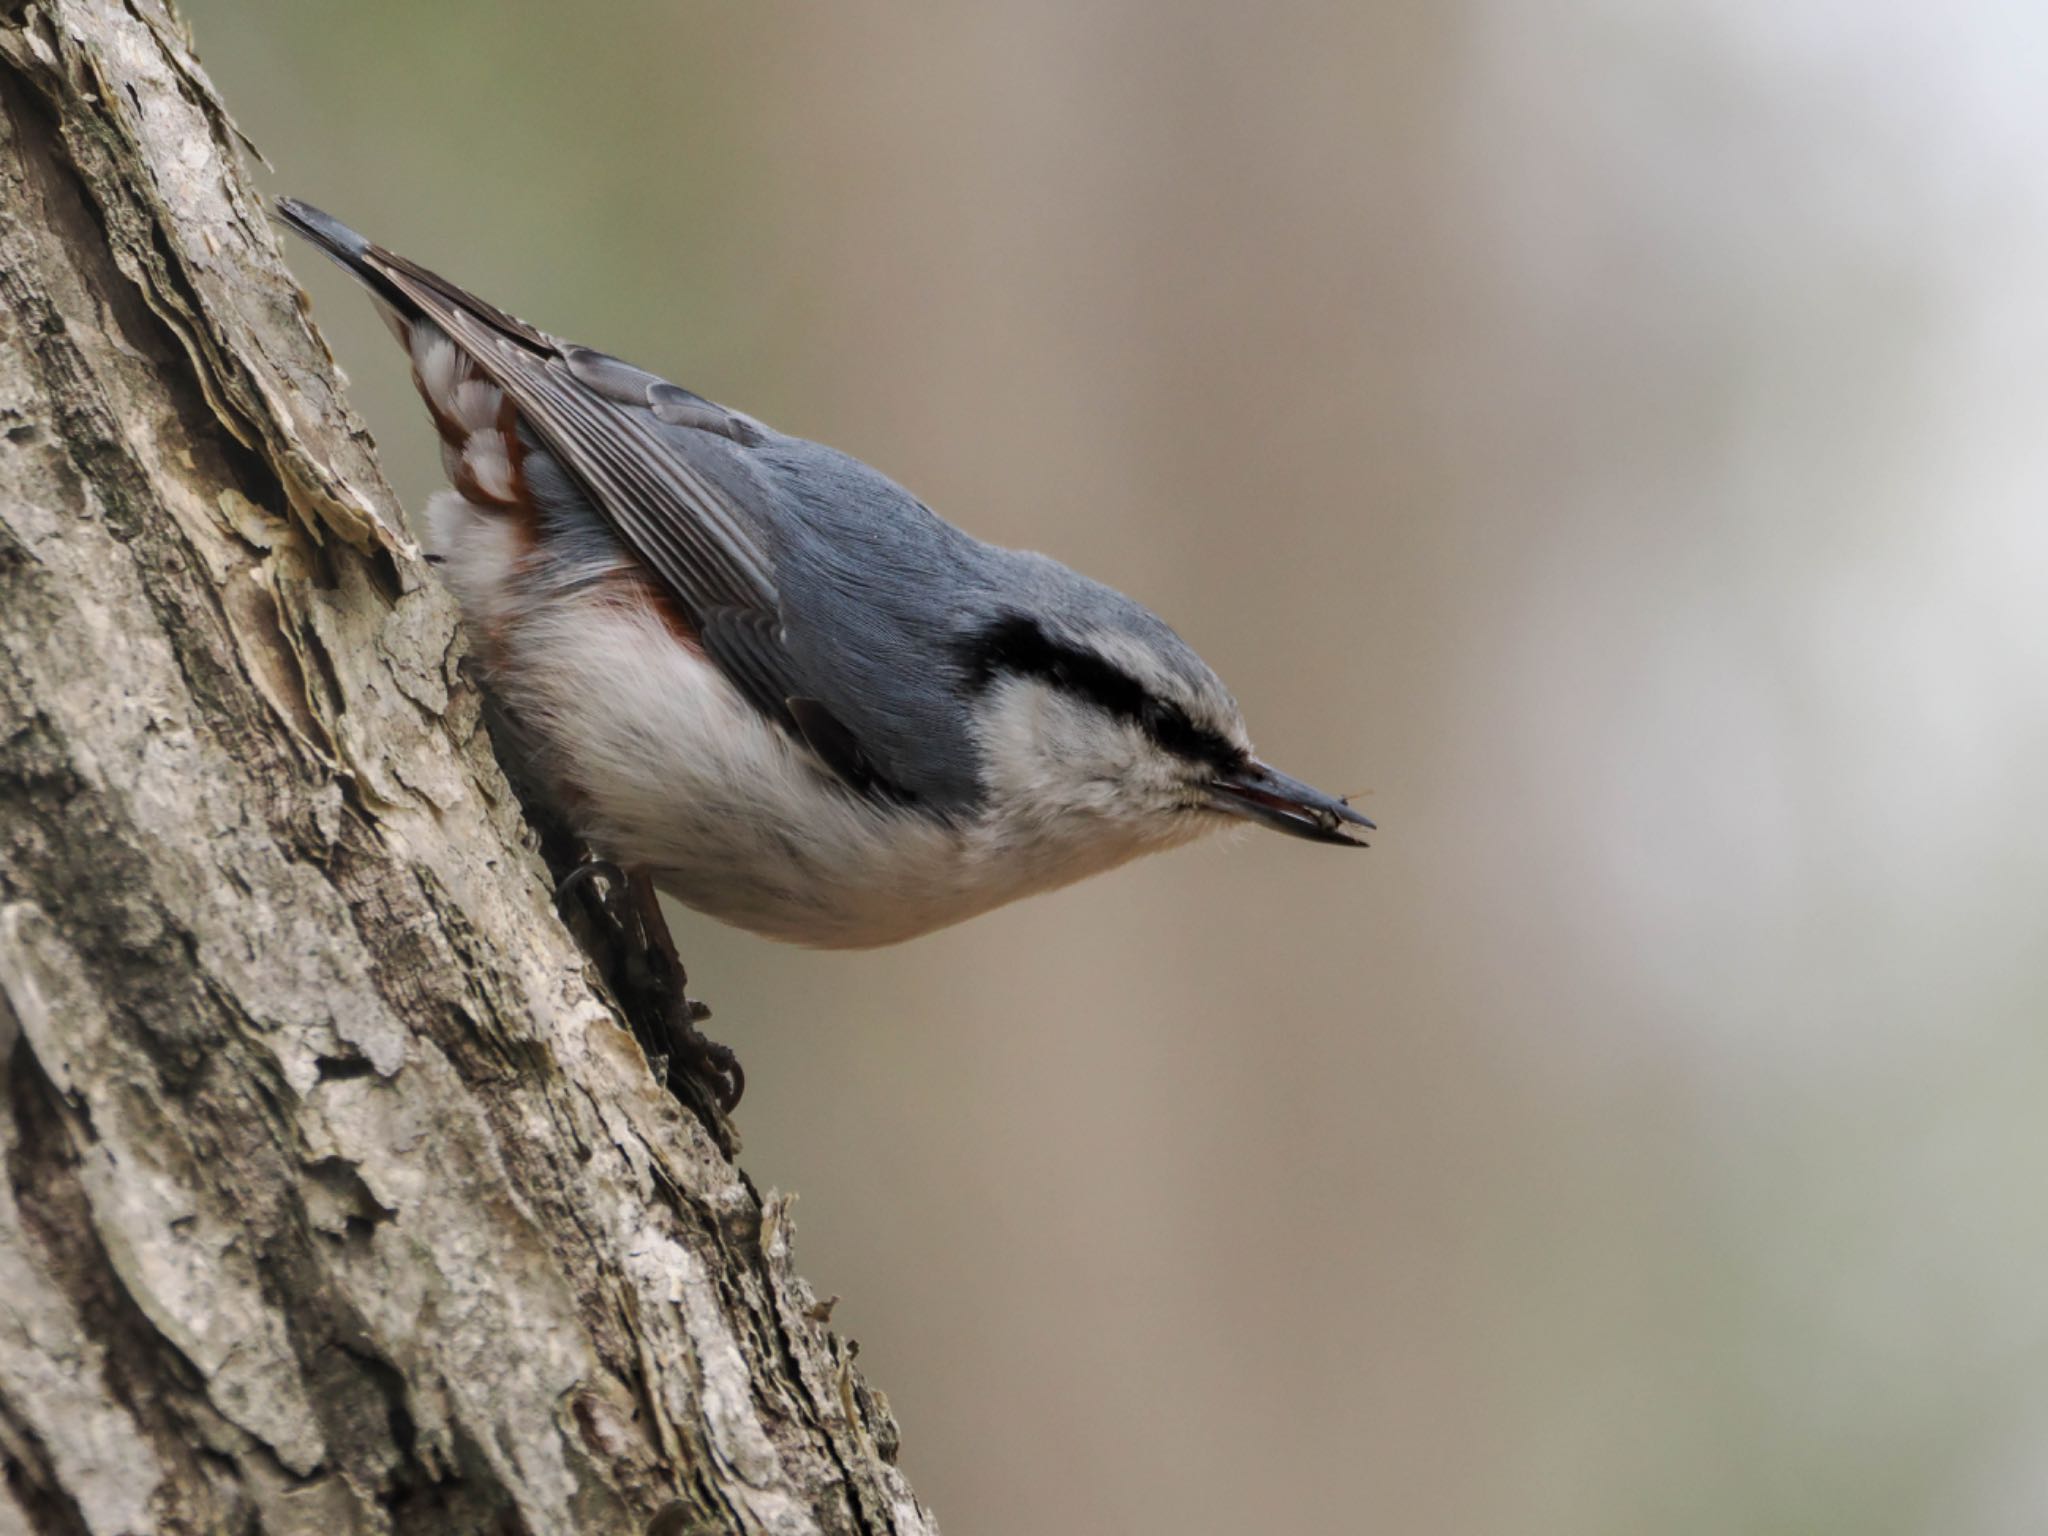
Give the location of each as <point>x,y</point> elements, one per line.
<point>1269,797</point>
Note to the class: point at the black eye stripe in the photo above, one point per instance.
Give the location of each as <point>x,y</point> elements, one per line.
<point>1018,647</point>
<point>1173,730</point>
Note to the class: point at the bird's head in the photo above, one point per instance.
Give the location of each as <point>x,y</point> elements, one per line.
<point>1090,710</point>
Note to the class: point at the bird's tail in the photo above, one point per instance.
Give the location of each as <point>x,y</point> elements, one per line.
<point>351,251</point>
<point>406,290</point>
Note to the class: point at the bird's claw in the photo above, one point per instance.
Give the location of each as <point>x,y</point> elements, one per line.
<point>583,874</point>
<point>716,1065</point>
<point>652,980</point>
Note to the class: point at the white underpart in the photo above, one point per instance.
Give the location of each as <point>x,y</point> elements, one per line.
<point>479,549</point>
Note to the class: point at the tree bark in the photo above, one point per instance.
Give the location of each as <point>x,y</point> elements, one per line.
<point>337,1198</point>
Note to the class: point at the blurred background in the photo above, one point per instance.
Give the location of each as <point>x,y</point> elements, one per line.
<point>1616,436</point>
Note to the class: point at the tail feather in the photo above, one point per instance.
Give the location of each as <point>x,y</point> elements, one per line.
<point>374,267</point>
<point>479,430</point>
<point>349,250</point>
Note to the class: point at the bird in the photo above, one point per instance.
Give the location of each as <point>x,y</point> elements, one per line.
<point>757,675</point>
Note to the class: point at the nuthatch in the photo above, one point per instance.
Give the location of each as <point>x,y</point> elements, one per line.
<point>768,681</point>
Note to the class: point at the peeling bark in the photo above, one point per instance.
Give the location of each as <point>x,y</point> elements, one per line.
<point>337,1199</point>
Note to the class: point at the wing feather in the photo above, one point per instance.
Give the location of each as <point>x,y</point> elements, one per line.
<point>597,416</point>
<point>684,527</point>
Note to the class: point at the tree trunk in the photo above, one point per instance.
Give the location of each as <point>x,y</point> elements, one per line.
<point>337,1199</point>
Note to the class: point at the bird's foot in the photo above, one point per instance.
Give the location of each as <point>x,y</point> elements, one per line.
<point>658,969</point>
<point>715,1065</point>
<point>650,980</point>
<point>613,878</point>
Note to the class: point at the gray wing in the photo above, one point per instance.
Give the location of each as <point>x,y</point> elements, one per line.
<point>684,528</point>
<point>616,429</point>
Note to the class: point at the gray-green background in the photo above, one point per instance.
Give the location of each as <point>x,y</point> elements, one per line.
<point>1616,435</point>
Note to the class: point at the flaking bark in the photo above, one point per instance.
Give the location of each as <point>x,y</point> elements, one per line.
<point>336,1199</point>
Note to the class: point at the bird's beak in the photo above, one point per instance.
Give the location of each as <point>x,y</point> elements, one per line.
<point>1270,797</point>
